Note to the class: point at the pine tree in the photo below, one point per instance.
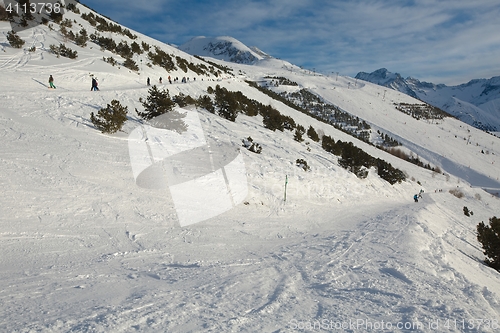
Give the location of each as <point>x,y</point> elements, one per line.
<point>205,102</point>
<point>145,46</point>
<point>136,48</point>
<point>82,38</point>
<point>57,17</point>
<point>124,50</point>
<point>130,64</point>
<point>111,118</point>
<point>63,51</point>
<point>467,212</point>
<point>489,237</point>
<point>299,132</point>
<point>272,119</point>
<point>225,104</point>
<point>157,103</point>
<point>183,100</point>
<point>311,133</point>
<point>14,39</point>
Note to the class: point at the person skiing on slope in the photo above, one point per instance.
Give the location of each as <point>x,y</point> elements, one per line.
<point>51,82</point>
<point>94,85</point>
<point>149,82</point>
<point>415,197</point>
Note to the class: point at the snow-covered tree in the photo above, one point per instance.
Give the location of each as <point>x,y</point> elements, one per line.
<point>249,144</point>
<point>14,39</point>
<point>489,237</point>
<point>312,134</point>
<point>299,132</point>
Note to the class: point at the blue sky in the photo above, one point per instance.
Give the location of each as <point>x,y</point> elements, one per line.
<point>439,41</point>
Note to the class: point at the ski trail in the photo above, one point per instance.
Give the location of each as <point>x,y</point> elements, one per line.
<point>18,60</point>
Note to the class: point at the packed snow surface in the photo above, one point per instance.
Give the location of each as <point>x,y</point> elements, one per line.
<point>84,248</point>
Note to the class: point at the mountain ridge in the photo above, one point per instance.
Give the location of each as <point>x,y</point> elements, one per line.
<point>223,48</point>
<point>475,102</point>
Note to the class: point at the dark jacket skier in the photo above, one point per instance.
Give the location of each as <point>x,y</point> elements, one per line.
<point>94,85</point>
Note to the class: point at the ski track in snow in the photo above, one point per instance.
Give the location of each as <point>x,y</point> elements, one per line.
<point>307,277</point>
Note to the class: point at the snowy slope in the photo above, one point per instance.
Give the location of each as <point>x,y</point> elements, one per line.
<point>475,103</point>
<point>84,248</point>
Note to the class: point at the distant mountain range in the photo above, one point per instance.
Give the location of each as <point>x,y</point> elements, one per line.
<point>476,103</point>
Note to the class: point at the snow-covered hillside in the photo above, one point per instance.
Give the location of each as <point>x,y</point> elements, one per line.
<point>476,103</point>
<point>86,248</point>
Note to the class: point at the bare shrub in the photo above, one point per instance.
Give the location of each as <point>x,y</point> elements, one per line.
<point>398,153</point>
<point>456,192</point>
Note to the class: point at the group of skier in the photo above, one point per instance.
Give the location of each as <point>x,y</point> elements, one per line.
<point>95,84</point>
<point>160,80</point>
<point>93,88</point>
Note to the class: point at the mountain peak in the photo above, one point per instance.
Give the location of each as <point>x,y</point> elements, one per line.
<point>223,48</point>
<point>385,78</point>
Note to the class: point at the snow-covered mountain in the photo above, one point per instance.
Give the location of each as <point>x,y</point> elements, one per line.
<point>476,103</point>
<point>90,232</point>
<point>385,78</point>
<point>223,48</point>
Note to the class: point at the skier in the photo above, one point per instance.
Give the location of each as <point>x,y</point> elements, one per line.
<point>169,79</point>
<point>149,82</point>
<point>161,80</point>
<point>415,197</point>
<point>94,85</point>
<point>51,82</point>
